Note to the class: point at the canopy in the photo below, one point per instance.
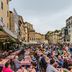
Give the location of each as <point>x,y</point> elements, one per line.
<point>6,34</point>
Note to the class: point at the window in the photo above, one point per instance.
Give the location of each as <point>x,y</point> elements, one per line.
<point>68,39</point>
<point>7,25</point>
<point>1,5</point>
<point>1,19</point>
<point>66,31</point>
<point>24,38</point>
<point>7,1</point>
<point>71,21</point>
<point>32,38</point>
<point>69,30</point>
<point>64,39</point>
<point>69,26</point>
<point>7,13</point>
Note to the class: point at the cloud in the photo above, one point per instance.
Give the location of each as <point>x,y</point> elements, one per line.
<point>45,15</point>
<point>50,22</point>
<point>41,5</point>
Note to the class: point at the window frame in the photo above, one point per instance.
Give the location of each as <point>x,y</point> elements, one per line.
<point>1,5</point>
<point>2,19</point>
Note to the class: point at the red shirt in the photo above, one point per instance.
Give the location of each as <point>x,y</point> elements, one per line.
<point>7,69</point>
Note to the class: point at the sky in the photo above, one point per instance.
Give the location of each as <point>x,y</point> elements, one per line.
<point>45,15</point>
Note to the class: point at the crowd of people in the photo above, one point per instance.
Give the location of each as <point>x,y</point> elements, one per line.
<point>41,58</point>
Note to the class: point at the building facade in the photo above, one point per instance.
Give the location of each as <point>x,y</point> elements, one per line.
<point>28,30</point>
<point>69,29</point>
<point>4,9</point>
<point>14,26</point>
<point>26,33</point>
<point>29,26</point>
<point>11,25</point>
<point>40,38</point>
<point>16,20</point>
<point>22,29</point>
<point>32,36</point>
<point>62,35</point>
<point>6,35</point>
<point>53,37</point>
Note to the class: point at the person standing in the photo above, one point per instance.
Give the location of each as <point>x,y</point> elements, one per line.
<point>17,63</point>
<point>50,68</point>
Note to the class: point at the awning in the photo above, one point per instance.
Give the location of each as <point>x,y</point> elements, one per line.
<point>28,43</point>
<point>9,32</point>
<point>32,42</point>
<point>5,33</point>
